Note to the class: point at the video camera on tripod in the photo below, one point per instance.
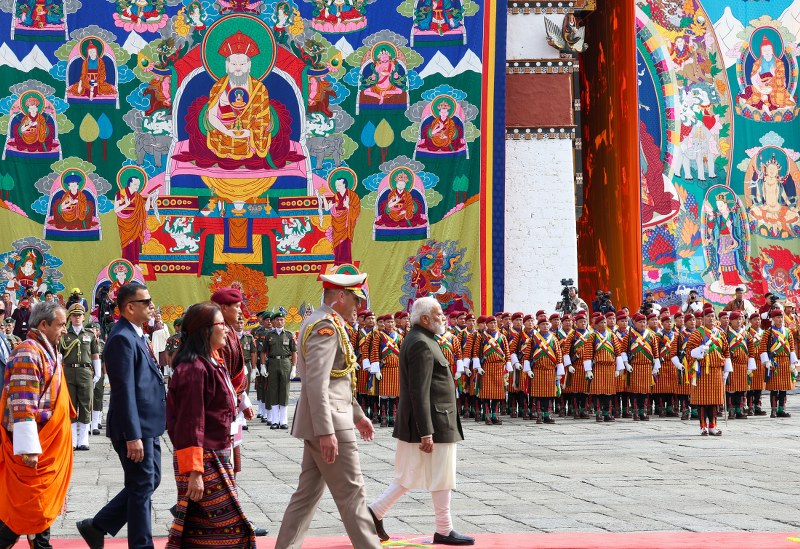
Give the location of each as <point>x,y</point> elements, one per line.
<point>568,306</point>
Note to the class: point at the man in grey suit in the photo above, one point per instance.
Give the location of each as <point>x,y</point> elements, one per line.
<point>428,425</point>
<point>326,416</point>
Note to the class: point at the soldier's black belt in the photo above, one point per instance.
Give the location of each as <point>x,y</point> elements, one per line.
<point>281,356</point>
<point>79,365</point>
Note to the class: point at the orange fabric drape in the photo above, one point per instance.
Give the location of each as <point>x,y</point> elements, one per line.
<point>610,229</point>
<point>33,498</point>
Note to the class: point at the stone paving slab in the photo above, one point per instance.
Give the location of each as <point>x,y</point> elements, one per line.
<point>573,476</point>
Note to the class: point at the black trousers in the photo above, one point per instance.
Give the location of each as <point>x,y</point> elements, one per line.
<point>9,538</point>
<point>132,505</point>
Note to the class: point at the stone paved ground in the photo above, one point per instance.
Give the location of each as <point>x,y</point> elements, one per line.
<point>522,477</point>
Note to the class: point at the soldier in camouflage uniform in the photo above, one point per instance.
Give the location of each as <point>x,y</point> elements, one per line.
<point>99,387</point>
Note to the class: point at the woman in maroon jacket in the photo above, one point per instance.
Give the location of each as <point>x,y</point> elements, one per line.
<point>201,405</point>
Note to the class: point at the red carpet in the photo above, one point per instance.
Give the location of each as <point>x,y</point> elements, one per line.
<point>638,540</point>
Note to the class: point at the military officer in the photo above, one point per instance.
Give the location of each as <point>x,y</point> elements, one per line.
<point>13,340</point>
<point>326,419</point>
<point>172,345</point>
<point>99,387</point>
<point>81,356</point>
<point>282,357</point>
<point>249,353</point>
<point>259,334</point>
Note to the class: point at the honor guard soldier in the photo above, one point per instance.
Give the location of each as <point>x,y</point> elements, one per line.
<point>640,350</point>
<point>249,354</point>
<point>494,360</point>
<point>576,385</point>
<point>365,389</point>
<point>282,351</point>
<point>8,326</point>
<point>602,362</point>
<point>523,382</point>
<point>711,364</point>
<point>622,402</point>
<point>259,334</point>
<point>778,353</point>
<point>467,341</point>
<point>100,386</point>
<point>666,385</point>
<point>384,365</point>
<point>543,362</point>
<point>81,358</point>
<point>742,349</point>
<point>515,379</point>
<point>757,382</point>
<point>682,362</point>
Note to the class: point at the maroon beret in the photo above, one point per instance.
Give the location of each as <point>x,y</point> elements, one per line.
<point>227,296</point>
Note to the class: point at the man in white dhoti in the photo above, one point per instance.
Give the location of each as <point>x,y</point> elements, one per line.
<point>427,427</point>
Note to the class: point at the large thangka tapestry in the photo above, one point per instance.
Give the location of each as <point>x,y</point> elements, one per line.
<point>209,143</point>
<point>719,147</point>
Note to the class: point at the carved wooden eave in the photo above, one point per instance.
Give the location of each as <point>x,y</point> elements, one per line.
<point>547,132</point>
<point>542,66</point>
<point>526,7</point>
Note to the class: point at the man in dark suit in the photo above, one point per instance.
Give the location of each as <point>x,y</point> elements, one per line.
<point>136,419</point>
<point>428,425</point>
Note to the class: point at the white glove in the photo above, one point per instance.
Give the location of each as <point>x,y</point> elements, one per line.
<point>263,369</point>
<point>456,376</point>
<point>480,370</point>
<point>468,372</point>
<point>378,375</point>
<point>676,362</point>
<point>655,371</point>
<point>620,364</point>
<point>459,368</point>
<point>616,373</point>
<point>530,374</point>
<point>793,359</point>
<point>728,366</point>
<point>768,365</point>
<point>751,364</point>
<point>527,366</point>
<point>517,365</point>
<point>96,367</point>
<point>293,373</point>
<point>764,358</point>
<point>725,377</point>
<point>590,375</point>
<point>628,367</point>
<point>698,352</point>
<point>571,369</point>
<point>365,364</point>
<point>559,370</point>
<point>680,367</point>
<point>375,368</point>
<point>657,364</point>
<point>587,365</point>
<point>509,367</point>
<point>567,360</point>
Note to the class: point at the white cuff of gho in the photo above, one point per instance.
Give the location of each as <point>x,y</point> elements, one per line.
<point>624,357</point>
<point>560,370</point>
<point>728,366</point>
<point>365,364</point>
<point>751,364</point>
<point>792,358</point>
<point>26,438</point>
<point>697,353</point>
<point>764,358</point>
<point>587,365</point>
<point>676,362</point>
<point>476,363</point>
<point>460,366</point>
<point>620,364</point>
<point>567,360</point>
<point>526,367</point>
<point>375,367</point>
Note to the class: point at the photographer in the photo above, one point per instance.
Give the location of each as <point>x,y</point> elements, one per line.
<point>570,302</point>
<point>770,303</point>
<point>105,311</point>
<point>693,305</point>
<point>602,303</point>
<point>650,304</point>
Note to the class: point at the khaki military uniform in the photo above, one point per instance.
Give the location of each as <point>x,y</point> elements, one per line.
<point>259,337</point>
<point>77,350</point>
<point>250,355</point>
<point>279,349</point>
<point>99,387</point>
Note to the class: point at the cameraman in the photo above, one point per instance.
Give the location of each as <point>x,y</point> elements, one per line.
<point>76,296</point>
<point>650,304</point>
<point>693,305</point>
<point>770,303</point>
<point>571,302</point>
<point>602,303</point>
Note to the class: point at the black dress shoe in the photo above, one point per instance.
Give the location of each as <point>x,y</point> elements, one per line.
<point>260,532</point>
<point>274,426</point>
<point>284,427</point>
<point>95,432</point>
<point>378,526</point>
<point>245,428</point>
<point>93,537</point>
<point>82,448</point>
<point>453,538</point>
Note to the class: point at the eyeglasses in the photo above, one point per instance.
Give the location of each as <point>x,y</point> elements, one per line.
<point>223,324</point>
<point>148,302</point>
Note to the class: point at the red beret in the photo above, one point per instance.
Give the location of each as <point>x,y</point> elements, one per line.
<point>568,316</point>
<point>775,312</point>
<point>227,296</point>
<point>517,315</point>
<point>454,314</point>
<point>555,316</point>
<point>723,314</point>
<point>470,316</point>
<point>362,313</point>
<point>461,313</point>
<point>541,319</point>
<point>481,319</point>
<point>665,316</point>
<point>580,316</point>
<point>755,315</point>
<point>597,317</point>
<point>527,318</point>
<point>638,316</point>
<point>735,315</point>
<point>621,314</point>
<point>499,314</point>
<point>677,315</point>
<point>491,319</point>
<point>400,314</point>
<point>368,313</point>
<point>611,314</point>
<point>709,311</point>
<point>688,316</point>
<point>651,316</point>
<point>540,313</point>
